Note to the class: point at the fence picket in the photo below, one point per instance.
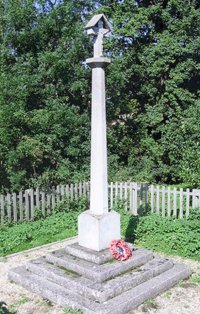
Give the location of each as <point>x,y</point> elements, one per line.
<point>84,189</point>
<point>48,203</point>
<point>168,202</point>
<point>9,214</point>
<point>146,196</point>
<point>125,196</point>
<point>80,188</point>
<point>62,191</point>
<point>140,199</point>
<point>32,204</point>
<point>53,198</point>
<point>136,197</point>
<point>152,198</point>
<point>67,190</point>
<point>111,195</point>
<point>71,191</point>
<point>88,188</point>
<point>27,205</point>
<point>187,202</point>
<point>131,195</point>
<point>134,190</point>
<point>2,209</point>
<point>116,192</point>
<point>14,200</point>
<point>37,197</point>
<point>21,207</point>
<point>181,203</point>
<point>76,191</point>
<point>163,201</point>
<point>175,202</point>
<point>157,199</point>
<point>121,190</point>
<point>43,203</point>
<point>58,193</point>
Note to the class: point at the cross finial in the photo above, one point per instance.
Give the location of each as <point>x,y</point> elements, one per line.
<point>98,26</point>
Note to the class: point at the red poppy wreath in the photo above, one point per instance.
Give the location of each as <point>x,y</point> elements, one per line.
<point>120,250</point>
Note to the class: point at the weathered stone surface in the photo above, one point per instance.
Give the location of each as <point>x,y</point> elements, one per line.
<point>118,305</point>
<point>95,272</point>
<point>96,231</point>
<point>88,254</point>
<point>99,291</point>
<point>50,291</point>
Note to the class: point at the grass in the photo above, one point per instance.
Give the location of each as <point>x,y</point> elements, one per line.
<point>70,311</point>
<point>195,278</point>
<point>168,235</point>
<point>148,305</point>
<point>26,235</point>
<point>60,225</point>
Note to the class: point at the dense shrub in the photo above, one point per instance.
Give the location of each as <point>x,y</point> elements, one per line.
<point>167,235</point>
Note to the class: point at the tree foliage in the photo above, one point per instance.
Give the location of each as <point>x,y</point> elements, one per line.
<point>153,95</point>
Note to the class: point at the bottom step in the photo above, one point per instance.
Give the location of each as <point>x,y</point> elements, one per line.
<point>118,305</point>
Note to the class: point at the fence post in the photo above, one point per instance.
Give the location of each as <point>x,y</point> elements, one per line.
<point>195,198</point>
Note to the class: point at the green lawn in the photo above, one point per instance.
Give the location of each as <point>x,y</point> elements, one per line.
<point>59,225</point>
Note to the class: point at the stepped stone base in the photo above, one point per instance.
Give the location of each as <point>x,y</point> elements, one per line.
<point>95,283</point>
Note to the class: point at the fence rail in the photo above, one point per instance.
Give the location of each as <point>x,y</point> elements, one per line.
<point>136,197</point>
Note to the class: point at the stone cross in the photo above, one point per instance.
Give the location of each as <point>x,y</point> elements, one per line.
<point>98,40</point>
<point>97,227</point>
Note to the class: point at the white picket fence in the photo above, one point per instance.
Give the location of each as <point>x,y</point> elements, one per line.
<point>137,198</point>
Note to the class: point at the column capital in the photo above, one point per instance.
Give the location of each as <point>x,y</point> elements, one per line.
<point>98,62</point>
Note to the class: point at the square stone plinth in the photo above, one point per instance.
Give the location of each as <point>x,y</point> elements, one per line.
<point>96,232</point>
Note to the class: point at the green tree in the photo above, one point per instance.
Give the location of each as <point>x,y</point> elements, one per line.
<point>155,49</point>
<point>152,90</point>
<point>44,103</point>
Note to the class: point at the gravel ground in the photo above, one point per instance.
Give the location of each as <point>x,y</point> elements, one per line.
<point>182,299</point>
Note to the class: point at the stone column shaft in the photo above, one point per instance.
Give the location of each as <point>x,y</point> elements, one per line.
<point>98,172</point>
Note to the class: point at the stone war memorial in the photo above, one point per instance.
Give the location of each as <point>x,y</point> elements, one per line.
<point>84,275</point>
